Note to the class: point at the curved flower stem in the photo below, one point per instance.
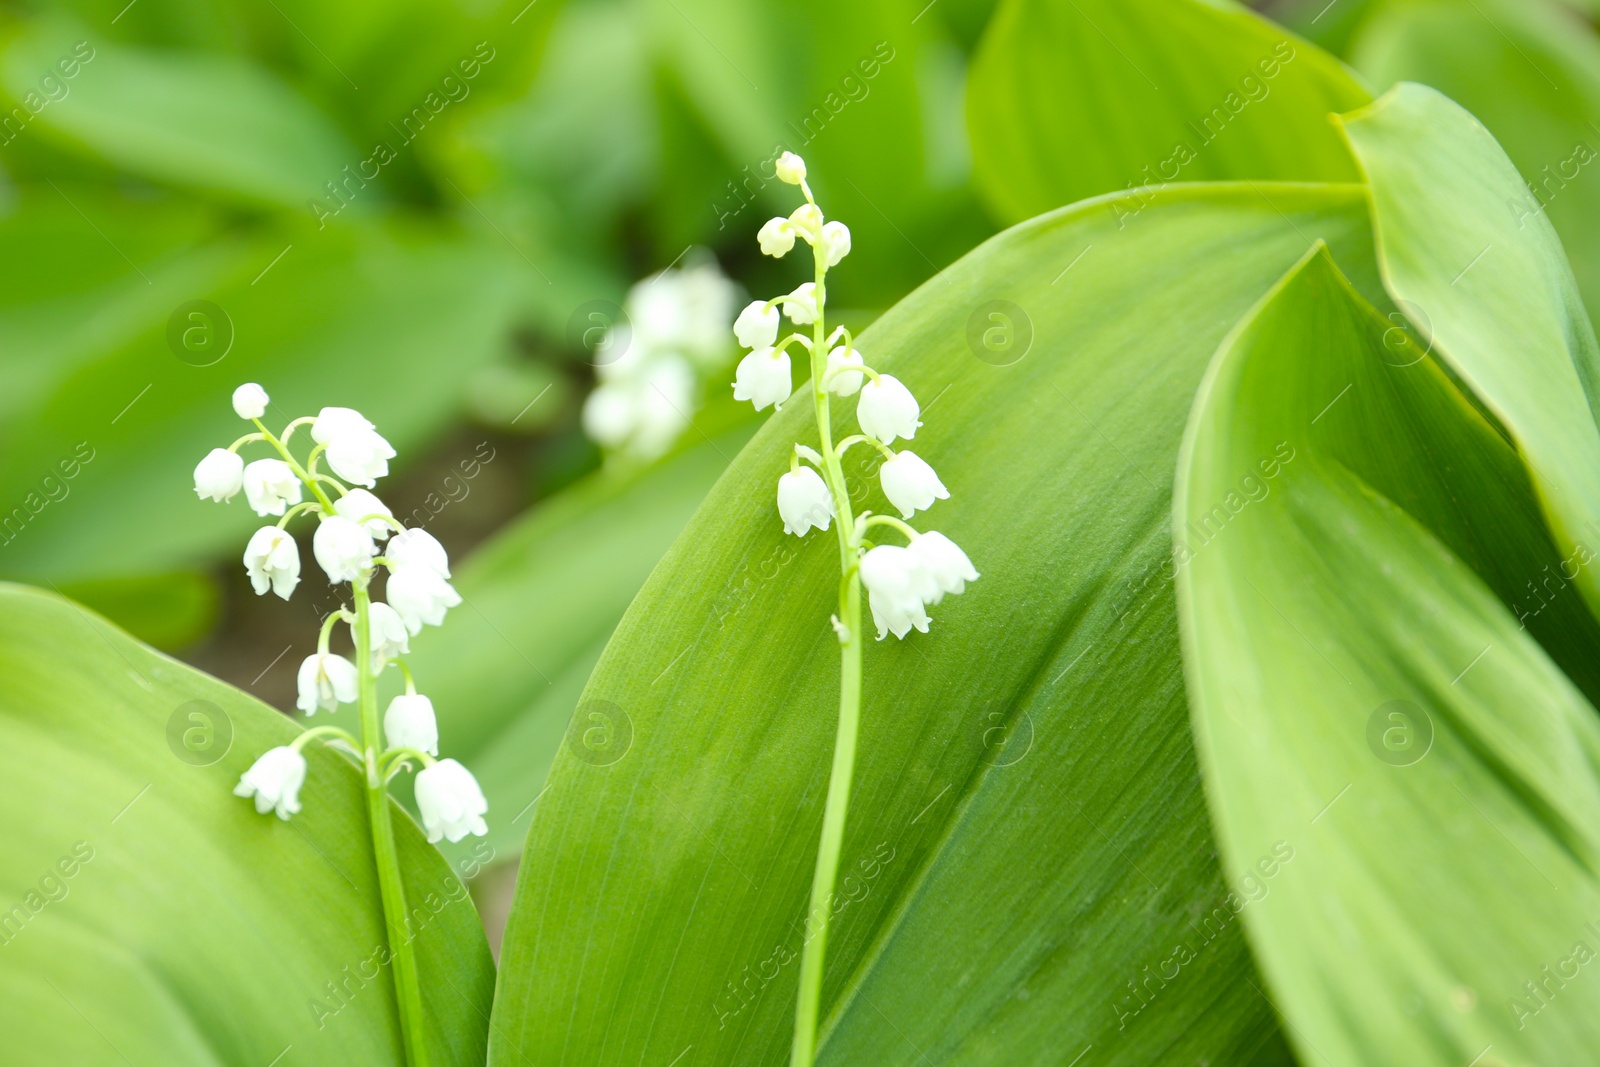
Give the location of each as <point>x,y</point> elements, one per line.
<point>294,465</point>
<point>869,521</point>
<point>823,880</point>
<point>407,992</point>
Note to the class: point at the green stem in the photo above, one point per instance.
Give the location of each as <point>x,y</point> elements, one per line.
<point>288,457</point>
<point>829,847</point>
<point>407,991</point>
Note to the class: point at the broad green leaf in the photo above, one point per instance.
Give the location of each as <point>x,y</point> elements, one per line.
<point>1488,284</point>
<point>1027,847</point>
<point>541,600</point>
<point>1072,100</point>
<point>1361,692</point>
<point>151,917</point>
<point>1528,71</point>
<point>206,121</point>
<point>169,611</point>
<point>385,319</point>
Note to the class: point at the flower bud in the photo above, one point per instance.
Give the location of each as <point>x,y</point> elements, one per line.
<point>270,486</point>
<point>790,168</point>
<point>804,501</point>
<point>250,401</point>
<point>763,378</point>
<point>272,560</point>
<point>450,801</point>
<point>757,325</point>
<point>835,242</point>
<point>910,484</point>
<point>325,681</point>
<point>275,780</point>
<point>344,548</point>
<point>887,409</point>
<point>219,476</point>
<point>807,221</point>
<point>410,723</point>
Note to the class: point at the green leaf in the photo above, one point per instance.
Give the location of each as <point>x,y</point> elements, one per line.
<point>1071,100</point>
<point>1361,693</point>
<point>206,121</point>
<point>1528,71</point>
<point>1026,844</point>
<point>386,319</point>
<point>169,611</point>
<point>147,915</point>
<point>1491,289</point>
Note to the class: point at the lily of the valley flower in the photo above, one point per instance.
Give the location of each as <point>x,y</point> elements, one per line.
<point>410,723</point>
<point>421,596</point>
<point>776,237</point>
<point>250,401</point>
<point>790,168</point>
<point>757,325</point>
<point>270,486</point>
<point>801,305</point>
<point>887,409</point>
<point>325,681</point>
<point>354,449</point>
<point>343,547</point>
<point>763,377</point>
<point>451,803</point>
<point>946,565</point>
<point>835,238</point>
<point>910,484</point>
<point>804,501</point>
<point>841,379</point>
<point>895,582</point>
<point>807,222</point>
<point>272,560</point>
<point>363,507</point>
<point>417,547</point>
<point>389,635</point>
<point>275,780</point>
<point>219,476</point>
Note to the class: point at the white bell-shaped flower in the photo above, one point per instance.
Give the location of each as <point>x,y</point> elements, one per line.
<point>894,581</point>
<point>355,451</point>
<point>250,401</point>
<point>410,723</point>
<point>910,484</point>
<point>776,237</point>
<point>804,501</point>
<point>801,305</point>
<point>421,596</point>
<point>841,380</point>
<point>343,547</point>
<point>763,378</point>
<point>388,634</point>
<point>359,505</point>
<point>757,325</point>
<point>835,242</point>
<point>450,801</point>
<point>790,168</point>
<point>272,560</point>
<point>610,415</point>
<point>887,409</point>
<point>325,681</point>
<point>270,486</point>
<point>666,394</point>
<point>219,476</point>
<point>807,222</point>
<point>946,565</point>
<point>416,547</point>
<point>275,780</point>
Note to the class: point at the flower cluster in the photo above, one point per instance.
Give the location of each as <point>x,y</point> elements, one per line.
<point>649,366</point>
<point>356,534</point>
<point>900,581</point>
